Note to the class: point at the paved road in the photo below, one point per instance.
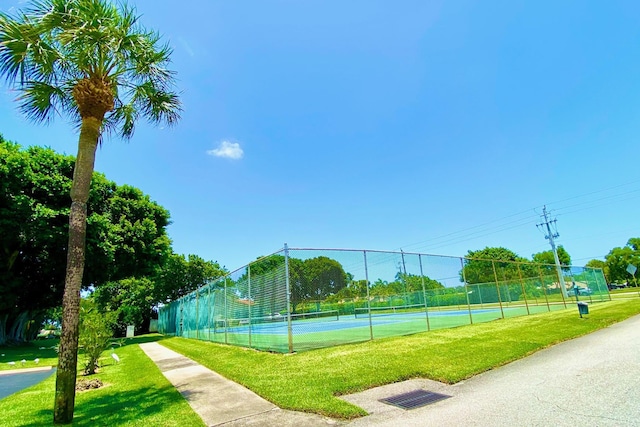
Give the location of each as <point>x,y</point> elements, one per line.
<point>590,381</point>
<point>14,381</point>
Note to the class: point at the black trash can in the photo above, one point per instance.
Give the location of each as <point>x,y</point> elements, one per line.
<point>583,308</point>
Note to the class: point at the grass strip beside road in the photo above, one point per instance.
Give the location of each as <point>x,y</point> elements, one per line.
<point>135,393</point>
<point>310,381</point>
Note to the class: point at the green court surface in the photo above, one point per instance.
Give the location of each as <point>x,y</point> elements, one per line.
<point>322,331</point>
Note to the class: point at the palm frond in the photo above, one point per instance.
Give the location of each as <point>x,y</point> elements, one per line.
<point>157,104</point>
<point>40,101</point>
<point>15,40</point>
<point>56,43</point>
<point>122,121</point>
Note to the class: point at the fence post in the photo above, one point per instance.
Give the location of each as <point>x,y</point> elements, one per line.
<point>209,311</point>
<point>544,287</point>
<point>226,318</point>
<point>288,290</point>
<point>404,279</point>
<point>495,275</point>
<point>466,290</point>
<point>250,300</point>
<point>181,322</point>
<point>366,278</point>
<point>197,318</point>
<point>524,292</point>
<point>424,292</point>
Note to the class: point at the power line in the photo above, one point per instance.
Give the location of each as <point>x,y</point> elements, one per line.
<point>467,229</point>
<point>595,192</point>
<point>488,228</point>
<point>441,241</point>
<point>607,198</point>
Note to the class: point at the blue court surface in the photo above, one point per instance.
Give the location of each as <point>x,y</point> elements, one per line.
<point>348,321</point>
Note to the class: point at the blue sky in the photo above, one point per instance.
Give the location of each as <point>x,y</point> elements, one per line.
<point>432,126</point>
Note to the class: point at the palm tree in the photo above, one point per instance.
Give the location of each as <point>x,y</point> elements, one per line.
<point>92,61</point>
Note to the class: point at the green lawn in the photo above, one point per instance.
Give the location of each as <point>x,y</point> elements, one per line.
<point>310,381</point>
<point>43,350</point>
<point>136,393</point>
<point>630,292</point>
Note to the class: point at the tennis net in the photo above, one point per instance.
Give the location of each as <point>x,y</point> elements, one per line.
<point>389,311</point>
<point>278,319</point>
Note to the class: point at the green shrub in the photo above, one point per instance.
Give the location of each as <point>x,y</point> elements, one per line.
<point>96,330</point>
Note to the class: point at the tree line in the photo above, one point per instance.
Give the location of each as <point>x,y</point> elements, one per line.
<point>616,263</point>
<point>614,266</point>
<point>130,264</point>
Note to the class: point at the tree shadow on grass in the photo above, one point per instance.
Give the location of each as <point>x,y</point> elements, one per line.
<point>113,409</point>
<point>29,351</point>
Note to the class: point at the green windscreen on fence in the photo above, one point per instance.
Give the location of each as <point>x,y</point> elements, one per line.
<point>302,299</point>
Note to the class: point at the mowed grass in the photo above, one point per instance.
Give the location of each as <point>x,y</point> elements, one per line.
<point>135,393</point>
<point>43,350</point>
<point>310,381</point>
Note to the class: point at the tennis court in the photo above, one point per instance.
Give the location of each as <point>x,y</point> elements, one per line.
<point>302,299</point>
<point>308,329</point>
<point>332,321</point>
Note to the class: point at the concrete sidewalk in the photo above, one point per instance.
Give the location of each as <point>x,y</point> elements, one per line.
<point>220,401</point>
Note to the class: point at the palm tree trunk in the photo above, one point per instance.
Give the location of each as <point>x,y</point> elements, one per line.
<point>68,353</point>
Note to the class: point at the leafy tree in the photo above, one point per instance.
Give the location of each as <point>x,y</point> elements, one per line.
<point>131,300</point>
<point>597,263</point>
<point>381,288</point>
<point>171,279</point>
<point>135,299</point>
<point>309,280</point>
<point>315,279</point>
<point>131,235</point>
<point>546,257</point>
<point>33,231</point>
<point>325,276</point>
<point>179,276</point>
<point>126,235</point>
<point>92,60</point>
<point>414,282</point>
<point>356,288</point>
<point>480,264</point>
<point>618,259</point>
<point>298,283</point>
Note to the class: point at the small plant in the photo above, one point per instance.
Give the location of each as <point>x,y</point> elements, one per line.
<point>95,334</point>
<point>119,342</point>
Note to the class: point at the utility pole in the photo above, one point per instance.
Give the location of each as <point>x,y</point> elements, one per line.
<point>550,236</point>
<point>404,278</point>
<point>404,266</point>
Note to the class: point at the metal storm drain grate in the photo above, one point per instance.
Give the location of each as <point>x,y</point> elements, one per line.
<point>414,399</point>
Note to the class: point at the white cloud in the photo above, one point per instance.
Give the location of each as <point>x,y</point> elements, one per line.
<point>229,150</point>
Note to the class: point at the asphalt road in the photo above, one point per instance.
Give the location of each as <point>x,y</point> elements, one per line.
<point>589,381</point>
<point>11,382</point>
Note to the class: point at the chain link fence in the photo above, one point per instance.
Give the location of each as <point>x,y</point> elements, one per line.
<point>302,299</point>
